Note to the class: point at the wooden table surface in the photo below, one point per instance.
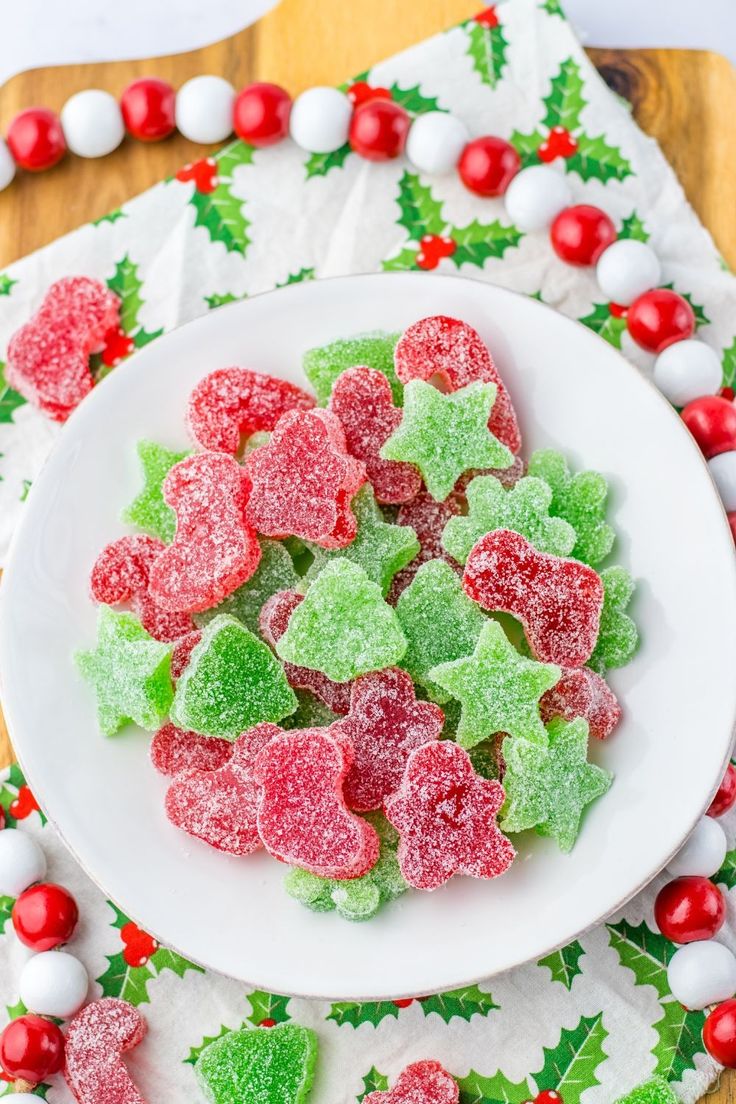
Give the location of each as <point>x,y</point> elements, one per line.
<point>684,98</point>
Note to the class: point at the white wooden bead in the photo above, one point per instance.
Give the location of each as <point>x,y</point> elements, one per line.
<point>703,852</point>
<point>436,140</point>
<point>7,165</point>
<point>22,862</point>
<point>53,983</point>
<point>320,120</point>
<point>535,197</point>
<point>687,370</point>
<point>723,470</point>
<point>92,123</point>
<point>626,269</point>
<point>204,109</point>
<point>702,973</point>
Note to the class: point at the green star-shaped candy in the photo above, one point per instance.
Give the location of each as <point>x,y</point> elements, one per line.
<point>323,365</point>
<point>130,672</point>
<point>259,1065</point>
<point>579,499</point>
<point>654,1091</point>
<point>499,690</point>
<point>275,572</point>
<point>618,635</point>
<point>547,788</point>
<point>446,435</point>
<point>439,621</point>
<point>380,548</point>
<point>523,508</point>
<point>148,511</point>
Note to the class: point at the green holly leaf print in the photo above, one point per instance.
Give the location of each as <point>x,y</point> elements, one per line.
<point>462,1004</point>
<point>6,284</point>
<point>421,213</point>
<point>487,48</point>
<point>6,908</point>
<point>373,1082</point>
<point>319,164</point>
<point>729,367</point>
<point>563,964</point>
<point>297,277</point>
<point>130,983</point>
<point>195,1052</point>
<point>527,146</point>
<point>267,1006</point>
<point>356,1013</point>
<point>14,788</point>
<point>565,100</point>
<point>552,7</point>
<point>679,1039</point>
<point>413,99</point>
<point>727,874</point>
<point>475,1089</point>
<point>10,400</point>
<point>595,159</point>
<point>126,284</point>
<point>570,1067</point>
<point>633,227</point>
<point>215,301</point>
<point>219,211</point>
<point>644,952</point>
<point>403,261</point>
<point>111,216</point>
<point>476,242</point>
<point>606,325</point>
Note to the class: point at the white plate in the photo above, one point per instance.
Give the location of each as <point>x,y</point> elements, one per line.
<point>571,390</point>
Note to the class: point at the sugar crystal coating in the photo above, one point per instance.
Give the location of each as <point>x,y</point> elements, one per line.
<point>654,1091</point>
<point>182,652</point>
<point>262,1065</point>
<point>428,519</point>
<point>96,1040</point>
<point>173,751</point>
<point>275,572</point>
<point>323,365</point>
<point>581,500</point>
<point>582,693</point>
<point>421,1083</point>
<point>618,637</point>
<point>148,511</point>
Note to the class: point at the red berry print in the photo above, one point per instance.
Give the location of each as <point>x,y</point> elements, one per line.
<point>361,92</point>
<point>548,1096</point>
<point>138,945</point>
<point>559,143</point>
<point>432,248</point>
<point>488,17</point>
<point>726,793</point>
<point>117,347</point>
<point>617,311</point>
<point>727,393</point>
<point>267,1023</point>
<point>24,804</point>
<point>404,1002</point>
<point>203,173</point>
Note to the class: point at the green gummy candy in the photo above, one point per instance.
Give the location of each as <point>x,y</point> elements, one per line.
<point>548,788</point>
<point>232,682</point>
<point>440,623</point>
<point>446,435</point>
<point>581,500</point>
<point>523,508</point>
<point>275,572</point>
<point>310,713</point>
<point>654,1091</point>
<point>618,636</point>
<point>323,365</point>
<point>259,1065</point>
<point>148,511</point>
<point>343,628</point>
<point>499,690</point>
<point>130,673</point>
<point>380,548</point>
<point>484,759</point>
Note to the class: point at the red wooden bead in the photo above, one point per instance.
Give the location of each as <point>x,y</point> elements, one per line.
<point>361,92</point>
<point>45,916</point>
<point>726,793</point>
<point>378,130</point>
<point>689,908</point>
<point>488,165</point>
<point>31,1049</point>
<point>719,1034</point>
<point>36,140</point>
<point>660,317</point>
<point>261,114</point>
<point>149,109</point>
<point>580,234</point>
<point>712,422</point>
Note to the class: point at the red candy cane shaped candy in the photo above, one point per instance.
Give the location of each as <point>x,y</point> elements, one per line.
<point>232,403</point>
<point>97,1038</point>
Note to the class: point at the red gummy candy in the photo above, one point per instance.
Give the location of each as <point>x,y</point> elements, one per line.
<point>385,723</point>
<point>215,549</point>
<point>302,816</point>
<point>97,1038</point>
<point>182,652</point>
<point>557,601</point>
<point>362,400</point>
<point>121,574</point>
<point>48,357</point>
<point>421,1083</point>
<point>445,815</point>
<point>582,693</point>
<point>273,622</point>
<point>452,352</point>
<point>304,480</point>
<point>427,518</point>
<point>219,806</point>
<point>174,751</point>
<point>232,403</point>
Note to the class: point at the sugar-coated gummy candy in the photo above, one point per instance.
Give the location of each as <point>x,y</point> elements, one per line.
<point>219,806</point>
<point>148,511</point>
<point>452,352</point>
<point>446,435</point>
<point>96,1040</point>
<point>215,549</point>
<point>311,712</point>
<point>304,480</point>
<point>439,621</point>
<point>275,572</point>
<point>129,671</point>
<point>618,637</point>
<point>385,723</point>
<point>582,693</point>
<point>548,788</point>
<point>121,574</point>
<point>273,622</point>
<point>507,477</point>
<point>323,365</point>
<point>557,601</point>
<point>446,818</point>
<point>581,500</point>
<point>302,816</point>
<point>233,403</point>
<point>362,400</point>
<point>182,652</point>
<point>428,519</point>
<point>343,628</point>
<point>262,1065</point>
<point>424,1082</point>
<point>523,508</point>
<point>48,357</point>
<point>232,682</point>
<point>499,690</point>
<point>654,1091</point>
<point>381,548</point>
<point>174,751</point>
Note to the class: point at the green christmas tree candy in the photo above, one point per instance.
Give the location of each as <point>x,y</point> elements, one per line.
<point>260,1065</point>
<point>654,1091</point>
<point>618,636</point>
<point>323,365</point>
<point>581,500</point>
<point>275,572</point>
<point>148,511</point>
